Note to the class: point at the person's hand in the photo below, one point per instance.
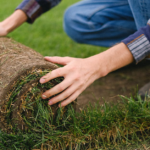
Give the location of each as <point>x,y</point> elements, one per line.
<point>3,31</point>
<point>12,22</point>
<point>78,75</point>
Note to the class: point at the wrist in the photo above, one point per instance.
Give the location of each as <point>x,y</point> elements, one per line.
<point>13,21</point>
<point>114,58</point>
<point>118,57</point>
<point>8,25</point>
<point>97,66</point>
<point>3,30</point>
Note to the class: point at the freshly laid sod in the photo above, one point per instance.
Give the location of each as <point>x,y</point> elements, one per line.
<point>106,127</point>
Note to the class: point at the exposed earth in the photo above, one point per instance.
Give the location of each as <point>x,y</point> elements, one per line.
<point>125,81</point>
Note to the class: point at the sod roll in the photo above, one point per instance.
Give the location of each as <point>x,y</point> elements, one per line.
<point>20,90</point>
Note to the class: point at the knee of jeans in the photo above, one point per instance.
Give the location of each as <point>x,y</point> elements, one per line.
<point>72,24</point>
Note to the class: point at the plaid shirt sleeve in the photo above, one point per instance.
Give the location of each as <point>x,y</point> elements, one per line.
<point>139,43</point>
<point>34,8</point>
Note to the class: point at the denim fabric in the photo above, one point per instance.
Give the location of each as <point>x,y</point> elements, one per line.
<point>105,22</point>
<point>141,11</point>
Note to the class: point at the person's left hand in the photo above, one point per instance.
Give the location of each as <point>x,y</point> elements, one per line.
<point>78,75</point>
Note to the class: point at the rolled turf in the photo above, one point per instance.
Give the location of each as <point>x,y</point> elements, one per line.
<point>20,90</point>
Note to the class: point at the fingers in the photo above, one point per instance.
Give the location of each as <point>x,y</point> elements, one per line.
<point>52,75</point>
<point>59,60</point>
<point>62,96</point>
<point>57,89</point>
<point>69,95</point>
<point>74,93</point>
<point>70,99</point>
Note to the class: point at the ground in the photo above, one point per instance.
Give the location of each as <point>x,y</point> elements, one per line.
<point>125,82</point>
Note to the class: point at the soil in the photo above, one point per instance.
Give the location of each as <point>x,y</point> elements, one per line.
<point>125,81</point>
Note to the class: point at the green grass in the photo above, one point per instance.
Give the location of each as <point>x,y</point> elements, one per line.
<point>110,127</point>
<point>46,35</point>
<point>128,124</point>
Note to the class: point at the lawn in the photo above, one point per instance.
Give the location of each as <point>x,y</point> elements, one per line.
<point>104,128</point>
<point>46,35</point>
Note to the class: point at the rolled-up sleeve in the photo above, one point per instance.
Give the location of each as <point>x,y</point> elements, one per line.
<point>34,8</point>
<point>139,43</point>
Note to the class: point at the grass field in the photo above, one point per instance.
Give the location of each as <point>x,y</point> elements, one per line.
<point>46,36</point>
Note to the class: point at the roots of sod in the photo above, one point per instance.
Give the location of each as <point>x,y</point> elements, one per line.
<point>21,106</point>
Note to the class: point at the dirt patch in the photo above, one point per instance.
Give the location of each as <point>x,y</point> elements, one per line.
<point>124,81</point>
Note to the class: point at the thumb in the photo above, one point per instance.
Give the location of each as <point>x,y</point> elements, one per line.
<point>59,60</point>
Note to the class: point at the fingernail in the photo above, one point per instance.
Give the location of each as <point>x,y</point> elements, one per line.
<point>44,96</point>
<point>42,80</point>
<point>50,103</point>
<point>47,57</point>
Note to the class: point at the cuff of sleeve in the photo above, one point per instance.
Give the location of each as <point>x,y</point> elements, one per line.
<point>139,44</point>
<point>32,9</point>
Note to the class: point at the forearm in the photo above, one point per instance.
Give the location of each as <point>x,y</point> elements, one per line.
<point>14,21</point>
<point>28,11</point>
<point>114,58</point>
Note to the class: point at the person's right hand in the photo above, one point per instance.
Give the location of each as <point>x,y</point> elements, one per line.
<point>3,31</point>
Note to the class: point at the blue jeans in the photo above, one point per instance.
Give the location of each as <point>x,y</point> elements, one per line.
<point>105,22</point>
